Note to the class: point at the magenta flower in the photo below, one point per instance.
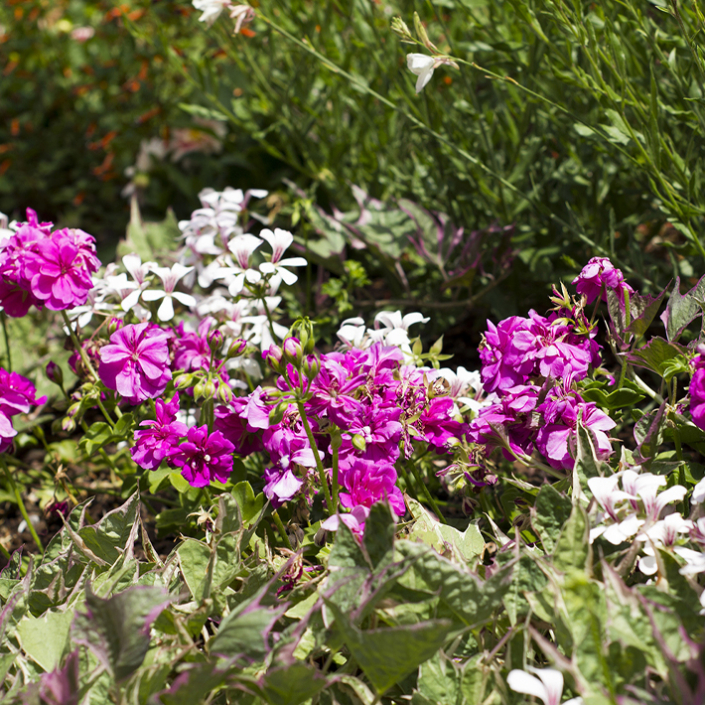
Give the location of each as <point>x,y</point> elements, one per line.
<point>242,421</point>
<point>437,424</point>
<point>505,353</point>
<point>191,350</point>
<point>17,394</point>
<point>697,393</point>
<point>280,486</point>
<point>136,363</point>
<point>598,275</point>
<point>556,438</point>
<point>366,482</point>
<point>15,285</point>
<point>60,268</point>
<point>160,438</point>
<point>333,393</point>
<point>380,431</point>
<point>203,457</point>
<point>7,432</point>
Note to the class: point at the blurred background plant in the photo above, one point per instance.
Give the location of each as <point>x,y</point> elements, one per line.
<point>569,130</point>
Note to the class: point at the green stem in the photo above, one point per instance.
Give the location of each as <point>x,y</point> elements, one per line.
<point>7,341</point>
<point>23,509</point>
<point>5,552</point>
<point>314,450</point>
<point>336,486</point>
<point>269,319</point>
<point>427,494</point>
<point>281,528</point>
<point>78,346</point>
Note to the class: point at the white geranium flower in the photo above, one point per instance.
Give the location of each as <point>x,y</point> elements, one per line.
<point>240,271</point>
<point>548,687</point>
<point>699,492</point>
<point>352,333</point>
<point>396,327</point>
<point>280,240</point>
<point>211,9</point>
<point>169,277</point>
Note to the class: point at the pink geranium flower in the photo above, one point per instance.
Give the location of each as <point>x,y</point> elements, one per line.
<point>203,457</point>
<point>159,438</point>
<point>136,363</point>
<point>60,268</point>
<point>598,275</point>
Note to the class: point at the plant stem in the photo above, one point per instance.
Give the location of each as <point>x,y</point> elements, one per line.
<point>314,450</point>
<point>269,318</point>
<point>23,509</point>
<point>427,494</point>
<point>336,486</point>
<point>281,528</point>
<point>5,552</point>
<point>7,341</point>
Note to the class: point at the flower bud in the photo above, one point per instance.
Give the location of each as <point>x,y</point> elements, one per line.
<point>54,373</point>
<point>311,367</point>
<point>273,357</point>
<point>237,347</point>
<point>199,390</point>
<point>359,442</point>
<point>209,389</point>
<point>115,325</point>
<point>183,382</point>
<point>215,340</point>
<point>292,350</point>
<point>303,331</point>
<point>68,424</point>
<point>225,394</point>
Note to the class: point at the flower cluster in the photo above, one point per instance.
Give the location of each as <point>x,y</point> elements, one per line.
<point>202,456</point>
<point>697,389</point>
<point>39,267</point>
<point>598,275</point>
<point>530,367</point>
<point>365,411</point>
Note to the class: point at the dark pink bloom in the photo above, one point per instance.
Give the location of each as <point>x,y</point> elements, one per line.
<point>287,449</point>
<point>191,350</point>
<point>203,457</point>
<point>60,267</point>
<point>505,353</point>
<point>280,486</point>
<point>15,285</point>
<point>599,272</point>
<point>437,425</point>
<point>333,393</point>
<point>7,432</point>
<point>160,438</point>
<point>365,482</point>
<point>697,393</point>
<point>556,438</point>
<point>17,394</point>
<point>380,431</point>
<point>136,362</point>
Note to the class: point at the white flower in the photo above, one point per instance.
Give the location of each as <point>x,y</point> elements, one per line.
<point>548,687</point>
<point>352,333</point>
<point>646,486</point>
<point>699,492</point>
<point>422,66</point>
<point>242,14</point>
<point>260,334</point>
<point>396,327</point>
<point>694,560</point>
<point>235,276</point>
<point>169,277</point>
<point>211,9</point>
<point>279,241</point>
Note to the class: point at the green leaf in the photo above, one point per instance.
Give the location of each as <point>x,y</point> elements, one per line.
<point>124,425</point>
<point>461,547</point>
<point>194,556</point>
<point>471,600</point>
<point>98,435</point>
<point>148,240</point>
<point>655,354</point>
<point>46,639</point>
<point>117,629</point>
<point>573,547</point>
<point>643,310</point>
<point>250,505</point>
<point>115,533</point>
<point>388,655</point>
<point>346,551</point>
<point>682,310</point>
<point>526,577</point>
<point>245,632</point>
<point>549,514</point>
<point>378,540</point>
<point>292,684</point>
